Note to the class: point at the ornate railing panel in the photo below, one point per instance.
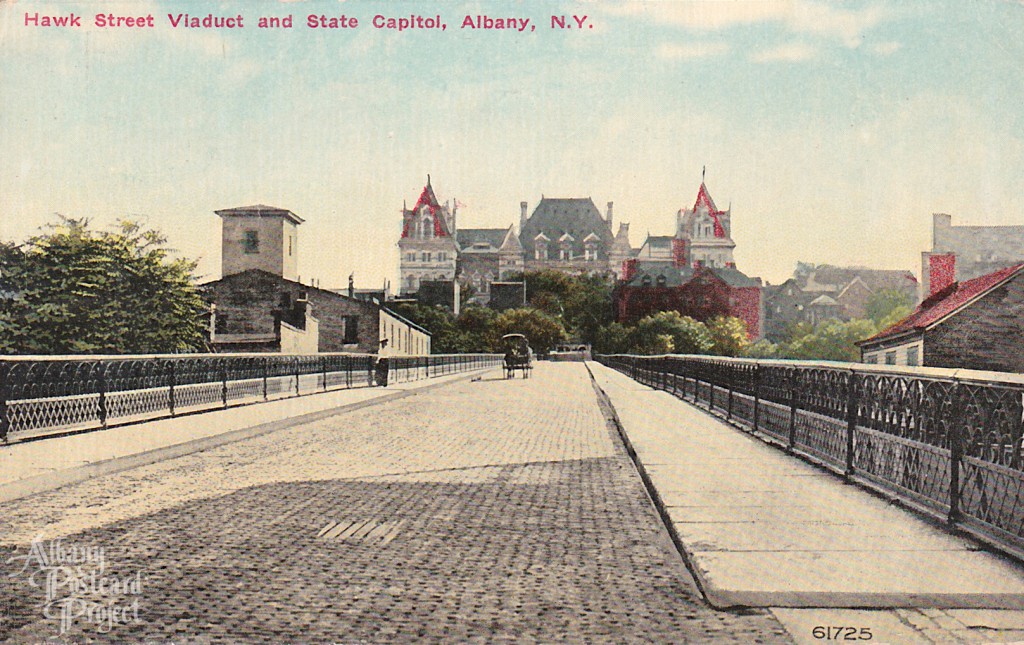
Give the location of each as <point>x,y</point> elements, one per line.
<point>946,440</point>
<point>41,395</point>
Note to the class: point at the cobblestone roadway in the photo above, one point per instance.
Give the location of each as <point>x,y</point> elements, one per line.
<point>521,518</point>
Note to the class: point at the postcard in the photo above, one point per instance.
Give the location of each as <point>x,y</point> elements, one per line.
<point>613,321</point>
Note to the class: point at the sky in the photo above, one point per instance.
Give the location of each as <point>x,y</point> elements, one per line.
<point>834,130</point>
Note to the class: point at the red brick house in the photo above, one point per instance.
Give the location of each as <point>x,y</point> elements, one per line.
<point>976,324</point>
<point>692,272</point>
<point>700,292</point>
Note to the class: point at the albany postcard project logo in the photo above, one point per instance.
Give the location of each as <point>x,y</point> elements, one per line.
<point>76,585</point>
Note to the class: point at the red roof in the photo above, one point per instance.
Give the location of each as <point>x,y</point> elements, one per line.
<point>428,199</point>
<point>703,196</point>
<point>948,301</point>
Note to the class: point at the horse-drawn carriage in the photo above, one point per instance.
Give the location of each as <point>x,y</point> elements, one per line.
<point>518,355</point>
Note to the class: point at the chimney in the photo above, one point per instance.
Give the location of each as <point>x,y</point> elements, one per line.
<point>678,252</point>
<point>522,216</point>
<point>610,214</point>
<point>628,269</point>
<point>941,272</point>
<point>351,285</point>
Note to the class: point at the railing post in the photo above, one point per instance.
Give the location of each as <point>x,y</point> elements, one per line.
<point>728,406</point>
<point>711,394</point>
<point>757,397</point>
<point>266,371</point>
<point>956,452</point>
<point>224,382</point>
<point>170,385</point>
<point>297,367</point>
<point>5,422</point>
<point>852,410</point>
<point>792,407</point>
<point>103,394</point>
<point>323,370</point>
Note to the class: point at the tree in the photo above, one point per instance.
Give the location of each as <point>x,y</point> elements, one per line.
<point>542,331</point>
<point>728,335</point>
<point>614,338</point>
<point>831,340</point>
<point>73,290</point>
<point>681,334</point>
<point>445,338</point>
<point>888,306</point>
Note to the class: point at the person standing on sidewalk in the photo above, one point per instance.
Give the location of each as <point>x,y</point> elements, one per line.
<point>381,368</point>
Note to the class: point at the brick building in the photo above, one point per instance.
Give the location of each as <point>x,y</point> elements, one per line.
<point>822,292</point>
<point>975,324</point>
<point>567,235</point>
<point>691,272</point>
<point>964,252</point>
<point>260,306</point>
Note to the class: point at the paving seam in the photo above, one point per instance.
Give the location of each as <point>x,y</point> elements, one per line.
<point>46,482</point>
<point>608,410</point>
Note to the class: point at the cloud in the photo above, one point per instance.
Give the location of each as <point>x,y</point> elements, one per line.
<point>798,16</point>
<point>886,49</point>
<point>790,52</point>
<point>689,51</point>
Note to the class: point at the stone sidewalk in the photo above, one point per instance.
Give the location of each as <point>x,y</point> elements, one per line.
<point>34,466</point>
<point>765,529</point>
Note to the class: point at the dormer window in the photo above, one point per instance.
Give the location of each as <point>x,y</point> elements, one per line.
<point>662,281</point>
<point>646,281</point>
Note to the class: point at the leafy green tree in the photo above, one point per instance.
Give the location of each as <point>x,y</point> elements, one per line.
<point>542,331</point>
<point>763,348</point>
<point>614,338</point>
<point>889,305</point>
<point>831,340</point>
<point>73,290</point>
<point>728,335</point>
<point>474,325</point>
<point>685,335</point>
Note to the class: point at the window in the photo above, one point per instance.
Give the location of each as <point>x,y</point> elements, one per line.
<point>912,356</point>
<point>351,330</point>
<point>410,257</point>
<point>442,256</point>
<point>251,241</point>
<point>426,256</point>
<point>871,360</point>
<point>541,252</point>
<point>890,358</point>
<point>289,246</point>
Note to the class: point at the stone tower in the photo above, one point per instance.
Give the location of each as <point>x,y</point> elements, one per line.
<point>260,237</point>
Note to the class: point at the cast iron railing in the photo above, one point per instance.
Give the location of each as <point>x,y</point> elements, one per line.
<point>47,395</point>
<point>947,441</point>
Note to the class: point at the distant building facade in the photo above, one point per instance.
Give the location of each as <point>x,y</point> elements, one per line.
<point>692,272</point>
<point>567,235</point>
<point>975,324</point>
<point>964,252</point>
<point>818,293</point>
<point>259,305</point>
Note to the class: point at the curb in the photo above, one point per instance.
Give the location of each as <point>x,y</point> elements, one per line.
<point>606,405</point>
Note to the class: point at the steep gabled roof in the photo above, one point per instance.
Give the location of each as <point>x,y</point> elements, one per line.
<point>429,199</point>
<point>467,237</point>
<point>947,302</point>
<point>704,197</point>
<point>555,217</point>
